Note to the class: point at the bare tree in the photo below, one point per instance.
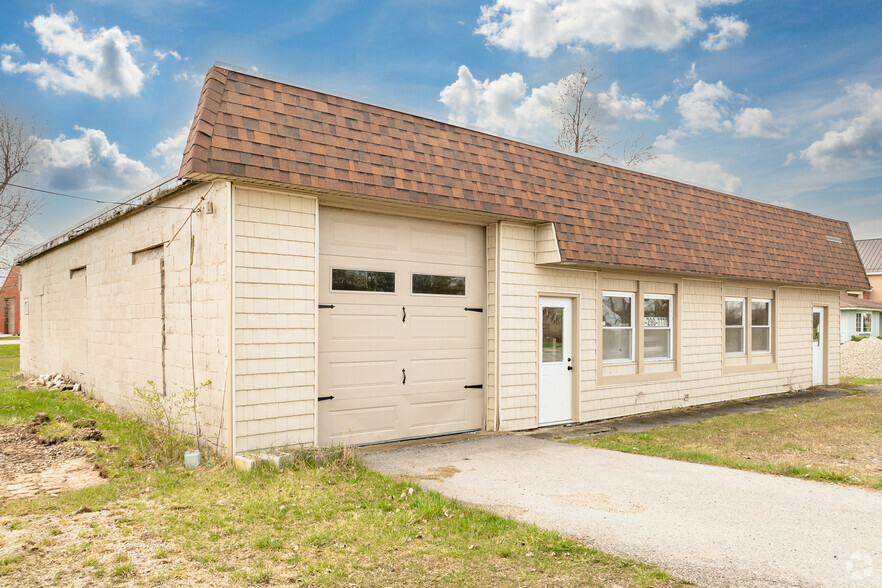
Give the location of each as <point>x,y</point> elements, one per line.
<point>17,143</point>
<point>577,112</point>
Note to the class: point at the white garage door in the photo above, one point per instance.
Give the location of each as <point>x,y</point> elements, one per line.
<point>399,354</point>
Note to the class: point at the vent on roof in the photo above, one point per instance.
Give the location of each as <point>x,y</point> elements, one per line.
<point>834,239</point>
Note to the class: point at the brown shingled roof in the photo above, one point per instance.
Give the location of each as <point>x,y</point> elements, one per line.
<point>846,301</point>
<point>254,128</point>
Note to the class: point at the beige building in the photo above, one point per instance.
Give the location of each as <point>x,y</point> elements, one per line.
<point>345,273</point>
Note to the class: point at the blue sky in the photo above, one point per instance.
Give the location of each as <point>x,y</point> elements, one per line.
<point>777,101</point>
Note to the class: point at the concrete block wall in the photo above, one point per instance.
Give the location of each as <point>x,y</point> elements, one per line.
<point>275,320</point>
<point>99,315</point>
<point>702,379</point>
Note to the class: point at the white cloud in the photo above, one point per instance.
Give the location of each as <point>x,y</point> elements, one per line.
<point>98,63</point>
<point>703,107</point>
<point>851,141</point>
<point>161,55</point>
<point>868,229</point>
<point>731,30</point>
<point>171,149</point>
<point>506,105</point>
<point>756,122</point>
<point>538,27</point>
<point>790,159</point>
<point>89,162</point>
<point>24,239</point>
<point>701,173</point>
<point>10,48</point>
<point>192,79</point>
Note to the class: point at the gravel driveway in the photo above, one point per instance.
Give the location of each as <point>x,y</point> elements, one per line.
<point>713,526</point>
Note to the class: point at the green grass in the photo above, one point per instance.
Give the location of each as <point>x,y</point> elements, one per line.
<point>855,382</point>
<point>830,441</point>
<point>8,360</point>
<point>334,523</point>
<point>10,338</point>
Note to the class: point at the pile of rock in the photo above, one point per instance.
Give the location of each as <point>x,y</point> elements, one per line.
<point>861,359</point>
<point>54,382</point>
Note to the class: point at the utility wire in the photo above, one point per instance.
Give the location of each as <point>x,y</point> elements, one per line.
<point>51,193</point>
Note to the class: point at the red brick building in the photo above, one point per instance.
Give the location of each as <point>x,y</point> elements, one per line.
<point>9,304</point>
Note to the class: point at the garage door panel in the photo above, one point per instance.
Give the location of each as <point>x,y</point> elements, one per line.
<point>360,326</point>
<point>350,234</point>
<point>360,378</point>
<point>364,345</point>
<point>360,424</point>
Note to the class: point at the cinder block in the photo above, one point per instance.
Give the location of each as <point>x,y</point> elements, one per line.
<point>247,463</point>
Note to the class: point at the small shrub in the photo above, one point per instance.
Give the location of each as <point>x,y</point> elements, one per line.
<point>858,337</point>
<point>169,414</point>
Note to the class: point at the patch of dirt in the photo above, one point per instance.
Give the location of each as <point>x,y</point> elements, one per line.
<point>29,468</point>
<point>94,548</point>
<point>437,474</point>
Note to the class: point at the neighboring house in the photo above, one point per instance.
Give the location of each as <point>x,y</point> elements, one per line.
<point>355,274</point>
<point>870,251</point>
<point>9,303</point>
<point>859,317</point>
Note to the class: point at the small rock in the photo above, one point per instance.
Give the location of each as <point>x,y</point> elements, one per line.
<point>87,434</point>
<point>83,423</point>
<point>40,418</point>
<point>77,387</point>
<point>83,509</point>
<point>60,419</point>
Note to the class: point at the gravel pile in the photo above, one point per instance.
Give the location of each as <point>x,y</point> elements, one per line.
<point>861,359</point>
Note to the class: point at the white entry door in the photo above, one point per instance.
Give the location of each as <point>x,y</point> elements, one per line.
<point>556,361</point>
<point>819,337</point>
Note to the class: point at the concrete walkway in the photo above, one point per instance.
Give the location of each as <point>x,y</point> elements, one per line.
<point>10,342</point>
<point>712,526</point>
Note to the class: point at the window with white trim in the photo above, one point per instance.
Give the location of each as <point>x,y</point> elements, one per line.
<point>864,324</point>
<point>760,326</point>
<point>618,326</point>
<point>658,326</point>
<point>735,325</point>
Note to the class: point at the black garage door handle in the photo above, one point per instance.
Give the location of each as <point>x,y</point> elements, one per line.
<point>403,376</point>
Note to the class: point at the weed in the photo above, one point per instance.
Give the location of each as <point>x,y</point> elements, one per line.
<point>170,414</point>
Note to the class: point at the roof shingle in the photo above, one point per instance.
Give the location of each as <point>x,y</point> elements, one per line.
<point>250,127</point>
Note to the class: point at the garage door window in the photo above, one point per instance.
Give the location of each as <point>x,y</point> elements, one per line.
<point>438,285</point>
<point>362,281</point>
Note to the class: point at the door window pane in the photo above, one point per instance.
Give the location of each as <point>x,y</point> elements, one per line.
<point>552,334</point>
<point>362,280</point>
<point>440,285</point>
<point>816,329</point>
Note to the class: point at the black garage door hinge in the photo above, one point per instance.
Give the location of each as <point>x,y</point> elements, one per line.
<point>474,309</point>
<point>320,398</point>
<point>479,386</point>
<point>326,306</point>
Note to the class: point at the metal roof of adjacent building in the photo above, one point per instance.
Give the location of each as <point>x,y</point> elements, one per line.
<point>870,251</point>
<point>258,129</point>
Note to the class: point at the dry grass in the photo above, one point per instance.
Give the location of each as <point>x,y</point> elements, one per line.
<point>833,440</point>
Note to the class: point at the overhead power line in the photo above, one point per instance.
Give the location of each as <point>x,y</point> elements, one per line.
<point>51,193</point>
